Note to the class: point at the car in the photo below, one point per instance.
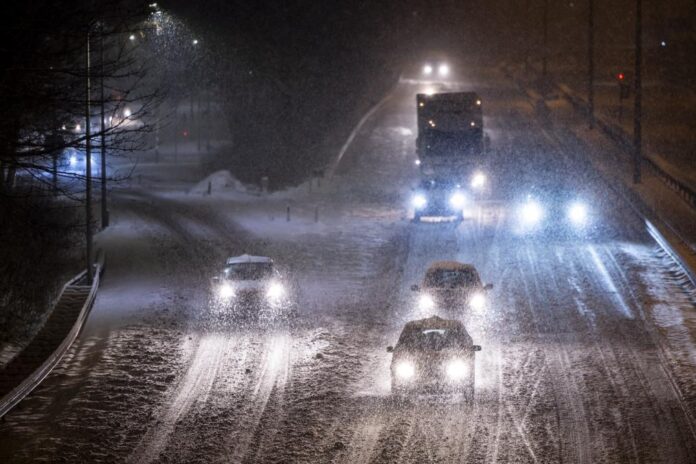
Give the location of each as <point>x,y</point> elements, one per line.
<point>452,285</point>
<point>250,284</point>
<point>439,198</point>
<point>558,210</point>
<point>433,355</point>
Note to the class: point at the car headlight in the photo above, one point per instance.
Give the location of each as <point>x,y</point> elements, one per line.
<point>405,370</point>
<point>419,201</point>
<point>478,180</point>
<point>457,200</point>
<point>477,301</point>
<point>226,291</point>
<point>275,291</point>
<point>425,302</point>
<point>577,213</point>
<point>443,70</point>
<point>531,212</point>
<point>457,369</point>
<point>427,70</point>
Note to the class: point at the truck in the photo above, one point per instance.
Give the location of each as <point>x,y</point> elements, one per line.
<point>451,140</point>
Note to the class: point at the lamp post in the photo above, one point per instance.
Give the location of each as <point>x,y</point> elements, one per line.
<point>88,167</point>
<point>590,63</point>
<point>638,101</point>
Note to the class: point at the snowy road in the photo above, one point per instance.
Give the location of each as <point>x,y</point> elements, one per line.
<point>578,360</point>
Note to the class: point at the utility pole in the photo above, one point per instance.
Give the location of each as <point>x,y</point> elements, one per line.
<point>638,101</point>
<point>590,63</point>
<point>104,210</point>
<point>88,167</point>
<point>545,46</point>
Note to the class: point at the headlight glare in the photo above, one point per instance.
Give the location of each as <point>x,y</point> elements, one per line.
<point>478,180</point>
<point>427,69</point>
<point>275,291</point>
<point>405,370</point>
<point>457,369</point>
<point>577,213</point>
<point>457,200</point>
<point>443,70</point>
<point>477,301</point>
<point>419,201</point>
<point>425,302</point>
<point>225,291</point>
<point>531,212</point>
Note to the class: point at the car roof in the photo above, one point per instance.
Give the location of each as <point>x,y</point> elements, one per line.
<point>241,259</point>
<point>451,266</point>
<point>434,322</point>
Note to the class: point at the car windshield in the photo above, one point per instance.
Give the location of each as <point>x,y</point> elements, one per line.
<point>249,271</point>
<point>451,278</point>
<point>432,339</point>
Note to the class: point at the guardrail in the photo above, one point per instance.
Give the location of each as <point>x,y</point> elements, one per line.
<point>624,140</point>
<point>13,398</point>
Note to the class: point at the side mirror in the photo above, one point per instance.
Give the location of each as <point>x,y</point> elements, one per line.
<point>488,287</point>
<point>476,347</point>
<point>415,288</point>
<point>390,349</point>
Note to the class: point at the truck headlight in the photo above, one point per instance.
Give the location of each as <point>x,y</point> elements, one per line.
<point>425,302</point>
<point>419,201</point>
<point>427,69</point>
<point>478,180</point>
<point>405,370</point>
<point>457,369</point>
<point>226,291</point>
<point>477,301</point>
<point>275,291</point>
<point>457,200</point>
<point>577,213</point>
<point>443,70</point>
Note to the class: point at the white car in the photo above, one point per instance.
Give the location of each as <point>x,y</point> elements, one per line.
<point>250,283</point>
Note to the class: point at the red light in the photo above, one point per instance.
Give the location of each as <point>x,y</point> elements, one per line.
<point>185,133</point>
<point>620,76</point>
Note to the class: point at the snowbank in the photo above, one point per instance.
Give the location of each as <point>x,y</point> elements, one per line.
<point>219,180</point>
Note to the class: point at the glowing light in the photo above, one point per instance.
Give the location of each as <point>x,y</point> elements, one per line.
<point>427,70</point>
<point>425,302</point>
<point>478,180</point>
<point>275,291</point>
<point>477,301</point>
<point>127,113</point>
<point>225,291</point>
<point>419,201</point>
<point>418,162</point>
<point>531,212</point>
<point>472,124</point>
<point>458,200</point>
<point>429,91</point>
<point>457,369</point>
<point>78,128</point>
<point>478,102</point>
<point>405,370</point>
<point>443,70</point>
<point>73,160</point>
<point>194,41</point>
<point>131,37</point>
<point>577,213</point>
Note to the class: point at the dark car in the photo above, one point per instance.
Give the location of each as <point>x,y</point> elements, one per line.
<point>452,285</point>
<point>439,198</point>
<point>433,355</point>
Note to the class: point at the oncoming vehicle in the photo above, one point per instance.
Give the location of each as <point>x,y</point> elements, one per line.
<point>452,285</point>
<point>251,284</point>
<point>433,355</point>
<point>555,209</point>
<point>439,198</point>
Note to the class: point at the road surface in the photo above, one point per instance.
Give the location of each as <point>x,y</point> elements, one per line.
<point>574,367</point>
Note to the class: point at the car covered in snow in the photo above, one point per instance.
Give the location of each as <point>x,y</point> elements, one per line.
<point>251,283</point>
<point>433,355</point>
<point>438,198</point>
<point>452,285</point>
